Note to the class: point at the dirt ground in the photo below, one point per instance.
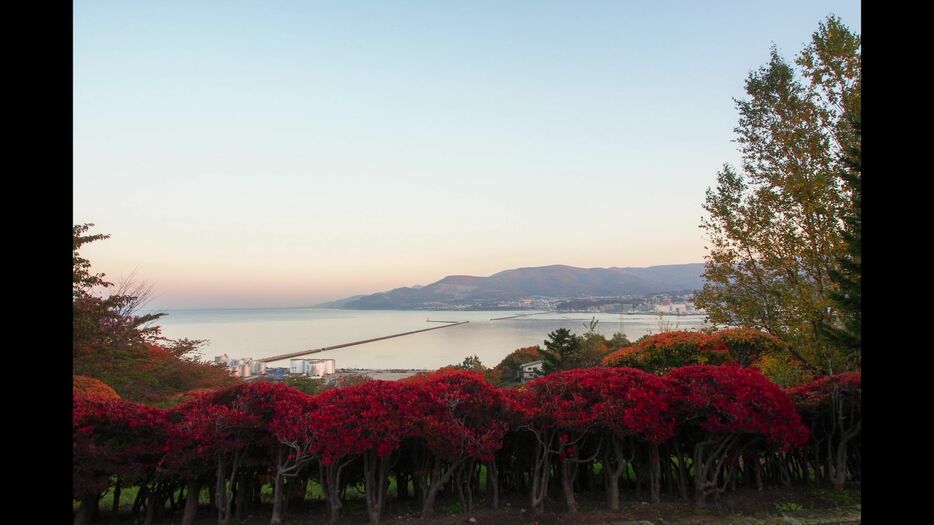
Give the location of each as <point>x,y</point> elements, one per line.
<point>791,506</point>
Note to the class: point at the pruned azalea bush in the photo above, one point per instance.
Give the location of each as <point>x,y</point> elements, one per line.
<point>695,432</point>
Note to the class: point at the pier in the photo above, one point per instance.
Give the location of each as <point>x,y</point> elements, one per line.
<point>517,316</point>
<point>345,345</point>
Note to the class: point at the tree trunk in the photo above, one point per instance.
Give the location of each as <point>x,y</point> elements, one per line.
<point>402,486</point>
<point>471,481</point>
<point>85,514</point>
<point>331,487</point>
<point>375,477</point>
<point>840,461</point>
<point>612,491</point>
<point>191,503</point>
<point>140,500</point>
<point>212,497</point>
<point>430,487</point>
<point>277,499</point>
<point>757,470</point>
<point>654,474</point>
<point>492,481</point>
<point>238,499</point>
<point>117,491</point>
<point>700,475</point>
<point>458,482</point>
<point>612,473</point>
<point>567,486</point>
<point>151,506</point>
<point>220,492</point>
<point>541,473</point>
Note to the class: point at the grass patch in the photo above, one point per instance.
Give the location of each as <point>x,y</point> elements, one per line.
<point>789,507</point>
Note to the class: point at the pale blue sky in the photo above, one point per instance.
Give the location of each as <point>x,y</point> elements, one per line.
<point>286,153</point>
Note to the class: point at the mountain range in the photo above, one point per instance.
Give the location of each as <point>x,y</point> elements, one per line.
<point>553,282</point>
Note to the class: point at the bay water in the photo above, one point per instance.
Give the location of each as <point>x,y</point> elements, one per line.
<point>265,332</point>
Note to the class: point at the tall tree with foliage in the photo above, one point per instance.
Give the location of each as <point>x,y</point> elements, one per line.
<point>112,343</point>
<point>563,351</point>
<point>776,228</point>
<point>107,339</point>
<point>846,333</point>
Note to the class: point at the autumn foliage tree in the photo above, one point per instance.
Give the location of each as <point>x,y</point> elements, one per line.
<point>666,351</point>
<point>832,408</point>
<point>291,425</point>
<point>85,386</point>
<point>777,227</point>
<point>635,407</point>
<point>700,425</point>
<point>462,422</point>
<point>722,410</point>
<point>745,346</point>
<point>113,342</point>
<point>112,437</point>
<point>580,414</point>
<point>367,420</point>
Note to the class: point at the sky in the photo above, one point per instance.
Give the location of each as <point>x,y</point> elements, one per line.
<point>274,153</point>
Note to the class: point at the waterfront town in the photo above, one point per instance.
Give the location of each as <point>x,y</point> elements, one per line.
<point>663,304</point>
<point>250,369</point>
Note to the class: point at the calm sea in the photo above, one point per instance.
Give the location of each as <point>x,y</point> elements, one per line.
<point>266,332</point>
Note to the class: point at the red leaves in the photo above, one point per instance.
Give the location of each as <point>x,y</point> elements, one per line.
<point>818,394</point>
<point>830,404</point>
<point>734,400</point>
<point>628,402</point>
<point>623,401</point>
<point>454,414</point>
<point>463,415</point>
<point>373,415</point>
<point>113,436</point>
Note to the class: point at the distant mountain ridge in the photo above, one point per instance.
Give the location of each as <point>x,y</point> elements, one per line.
<point>555,281</point>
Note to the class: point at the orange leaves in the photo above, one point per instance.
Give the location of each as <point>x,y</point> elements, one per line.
<point>666,351</point>
<point>93,388</point>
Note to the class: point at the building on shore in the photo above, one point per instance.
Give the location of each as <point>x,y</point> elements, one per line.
<point>677,309</point>
<point>312,367</point>
<point>245,367</point>
<point>277,373</point>
<point>531,370</point>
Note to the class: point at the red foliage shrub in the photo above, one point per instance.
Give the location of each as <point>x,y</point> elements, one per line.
<point>114,437</point>
<point>466,415</point>
<point>832,408</point>
<point>815,398</point>
<point>734,400</point>
<point>624,401</point>
<point>373,415</point>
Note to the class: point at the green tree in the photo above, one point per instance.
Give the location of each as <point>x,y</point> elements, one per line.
<point>471,363</point>
<point>308,385</point>
<point>846,332</point>
<point>594,346</point>
<point>776,228</point>
<point>562,351</point>
<point>619,340</point>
